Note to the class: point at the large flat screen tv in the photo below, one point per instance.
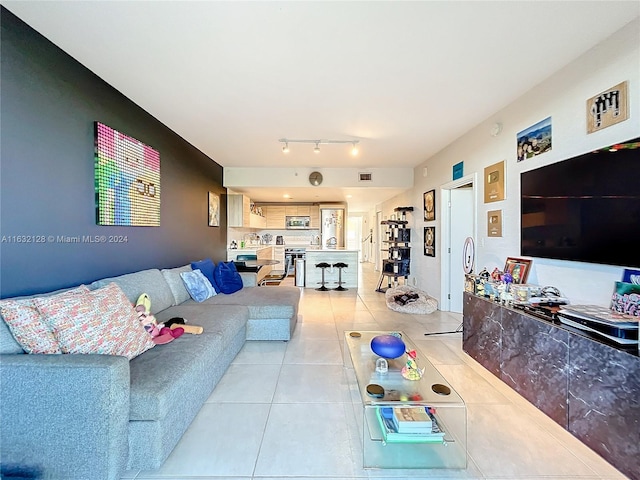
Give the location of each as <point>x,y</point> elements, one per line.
<point>585,209</point>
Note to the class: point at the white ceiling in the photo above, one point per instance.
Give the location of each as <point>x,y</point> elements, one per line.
<point>404,78</point>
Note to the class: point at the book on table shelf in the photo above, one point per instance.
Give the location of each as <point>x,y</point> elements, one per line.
<point>411,420</point>
<point>390,433</point>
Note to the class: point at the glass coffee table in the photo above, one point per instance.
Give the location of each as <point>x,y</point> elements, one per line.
<point>444,446</point>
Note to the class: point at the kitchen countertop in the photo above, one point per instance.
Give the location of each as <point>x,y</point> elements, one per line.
<point>331,250</point>
<point>249,248</point>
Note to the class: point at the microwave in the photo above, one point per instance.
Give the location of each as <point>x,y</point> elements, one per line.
<point>297,223</point>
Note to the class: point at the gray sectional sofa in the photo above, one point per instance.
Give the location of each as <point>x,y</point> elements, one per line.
<point>92,417</point>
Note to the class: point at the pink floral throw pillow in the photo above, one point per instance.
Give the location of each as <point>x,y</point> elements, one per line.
<point>27,326</point>
<point>102,321</point>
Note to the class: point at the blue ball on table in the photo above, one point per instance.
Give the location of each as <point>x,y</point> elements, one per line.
<point>387,346</point>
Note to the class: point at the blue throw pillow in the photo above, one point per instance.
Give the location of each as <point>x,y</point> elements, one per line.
<point>206,266</point>
<point>227,277</point>
<point>197,285</point>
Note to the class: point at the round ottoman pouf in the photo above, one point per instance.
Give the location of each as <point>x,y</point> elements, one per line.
<point>387,346</point>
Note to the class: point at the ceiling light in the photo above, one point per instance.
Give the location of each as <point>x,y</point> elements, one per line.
<point>317,143</point>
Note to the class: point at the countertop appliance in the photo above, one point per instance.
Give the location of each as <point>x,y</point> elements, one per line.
<point>297,222</point>
<point>332,227</point>
<point>279,240</point>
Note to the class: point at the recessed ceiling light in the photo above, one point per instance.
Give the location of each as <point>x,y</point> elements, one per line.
<point>349,196</point>
<point>286,195</point>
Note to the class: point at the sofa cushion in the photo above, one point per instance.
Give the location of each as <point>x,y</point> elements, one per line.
<point>159,377</point>
<point>197,285</point>
<point>145,281</point>
<point>207,267</point>
<point>262,302</point>
<point>101,321</point>
<point>173,278</point>
<point>27,325</point>
<point>227,277</point>
<point>8,343</point>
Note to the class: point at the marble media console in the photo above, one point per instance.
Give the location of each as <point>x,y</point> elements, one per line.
<point>589,388</point>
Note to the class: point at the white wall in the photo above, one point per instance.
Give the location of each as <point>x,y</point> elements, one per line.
<point>563,97</point>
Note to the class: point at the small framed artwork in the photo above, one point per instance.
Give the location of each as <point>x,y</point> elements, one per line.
<point>608,108</point>
<point>458,169</point>
<point>494,182</point>
<point>518,268</point>
<point>535,140</point>
<point>494,223</point>
<point>430,205</point>
<point>430,241</point>
<point>214,210</point>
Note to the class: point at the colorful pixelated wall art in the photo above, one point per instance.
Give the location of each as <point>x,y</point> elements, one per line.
<point>127,180</point>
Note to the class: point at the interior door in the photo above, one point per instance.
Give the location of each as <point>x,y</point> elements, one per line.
<point>461,227</point>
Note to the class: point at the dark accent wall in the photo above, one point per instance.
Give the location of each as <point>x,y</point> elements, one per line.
<point>49,105</point>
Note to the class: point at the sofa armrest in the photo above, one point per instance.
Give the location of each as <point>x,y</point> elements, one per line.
<point>249,279</point>
<point>64,416</point>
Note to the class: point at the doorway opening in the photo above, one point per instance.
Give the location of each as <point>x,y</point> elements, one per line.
<point>459,207</point>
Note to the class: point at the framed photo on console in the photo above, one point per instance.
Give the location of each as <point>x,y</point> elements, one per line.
<point>518,268</point>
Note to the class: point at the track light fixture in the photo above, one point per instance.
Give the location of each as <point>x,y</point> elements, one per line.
<point>317,143</point>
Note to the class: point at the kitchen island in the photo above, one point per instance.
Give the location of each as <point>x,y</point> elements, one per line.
<point>313,275</point>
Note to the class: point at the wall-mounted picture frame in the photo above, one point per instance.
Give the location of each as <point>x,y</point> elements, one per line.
<point>127,180</point>
<point>608,108</point>
<point>494,223</point>
<point>494,182</point>
<point>535,140</point>
<point>430,241</point>
<point>430,206</point>
<point>518,268</point>
<point>214,210</point>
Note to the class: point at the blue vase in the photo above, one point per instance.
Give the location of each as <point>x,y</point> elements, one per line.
<point>387,346</point>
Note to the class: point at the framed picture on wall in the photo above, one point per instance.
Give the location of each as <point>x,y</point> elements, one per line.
<point>608,108</point>
<point>494,182</point>
<point>430,205</point>
<point>518,268</point>
<point>430,241</point>
<point>214,210</point>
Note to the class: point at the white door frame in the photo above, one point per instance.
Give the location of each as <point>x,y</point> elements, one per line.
<point>445,237</point>
<point>377,242</point>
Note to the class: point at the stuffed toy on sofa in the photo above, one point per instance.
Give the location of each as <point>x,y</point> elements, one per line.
<point>160,333</point>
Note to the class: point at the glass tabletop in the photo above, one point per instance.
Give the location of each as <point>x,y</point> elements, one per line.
<point>431,389</point>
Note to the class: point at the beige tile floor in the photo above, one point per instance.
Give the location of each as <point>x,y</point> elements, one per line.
<point>283,409</point>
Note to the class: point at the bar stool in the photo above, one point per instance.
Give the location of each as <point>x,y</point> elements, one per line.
<point>323,266</point>
<point>340,266</point>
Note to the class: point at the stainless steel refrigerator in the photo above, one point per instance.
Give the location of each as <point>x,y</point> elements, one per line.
<point>332,228</point>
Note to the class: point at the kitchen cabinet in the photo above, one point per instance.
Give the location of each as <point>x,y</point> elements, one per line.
<point>278,254</point>
<point>275,216</point>
<point>314,213</point>
<point>297,210</point>
<point>239,213</point>
<point>265,254</point>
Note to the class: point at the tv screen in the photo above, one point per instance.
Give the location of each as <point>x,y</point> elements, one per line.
<point>585,209</point>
